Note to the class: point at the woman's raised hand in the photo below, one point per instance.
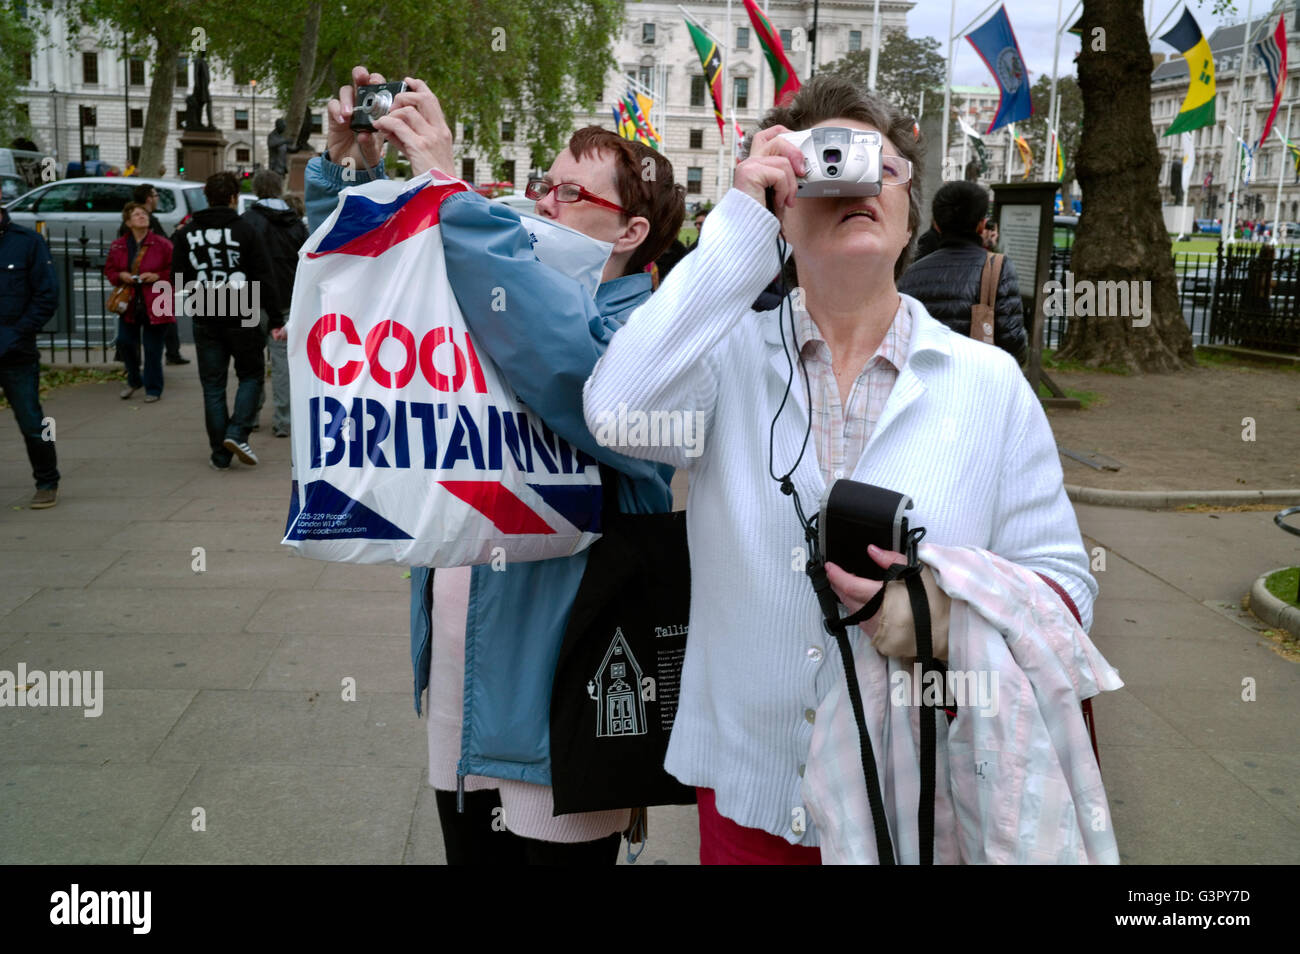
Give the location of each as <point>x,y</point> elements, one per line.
<point>773,162</point>
<point>341,141</point>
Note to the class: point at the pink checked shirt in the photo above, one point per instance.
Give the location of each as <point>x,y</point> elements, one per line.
<point>840,434</point>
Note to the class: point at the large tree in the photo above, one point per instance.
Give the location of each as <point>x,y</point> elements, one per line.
<point>1122,234</point>
<point>908,67</point>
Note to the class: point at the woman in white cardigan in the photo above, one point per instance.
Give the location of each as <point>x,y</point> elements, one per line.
<point>898,401</point>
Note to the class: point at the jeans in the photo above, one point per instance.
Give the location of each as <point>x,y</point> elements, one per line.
<point>215,345</point>
<point>173,340</point>
<point>20,377</point>
<point>279,351</point>
<point>129,338</point>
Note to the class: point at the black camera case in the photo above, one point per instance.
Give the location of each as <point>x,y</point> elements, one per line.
<point>854,515</point>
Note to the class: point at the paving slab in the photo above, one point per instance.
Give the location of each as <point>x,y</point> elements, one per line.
<point>332,612</point>
<point>1207,664</point>
<point>39,568</point>
<point>375,579</point>
<point>131,726</point>
<point>147,661</point>
<point>425,845</point>
<point>14,595</point>
<point>26,531</point>
<point>309,661</point>
<point>180,537</point>
<point>1181,807</point>
<point>1220,719</point>
<point>72,610</point>
<point>1144,619</point>
<point>1273,776</point>
<point>172,570</point>
<point>291,814</point>
<point>78,508</point>
<point>304,727</point>
<point>1122,719</point>
<point>270,512</point>
<point>66,814</point>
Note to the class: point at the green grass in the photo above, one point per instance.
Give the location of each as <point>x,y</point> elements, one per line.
<point>52,377</point>
<point>1086,398</point>
<point>1282,584</point>
<point>1050,363</point>
<point>1206,358</point>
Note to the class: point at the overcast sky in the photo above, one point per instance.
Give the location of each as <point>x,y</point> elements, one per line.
<point>1034,21</point>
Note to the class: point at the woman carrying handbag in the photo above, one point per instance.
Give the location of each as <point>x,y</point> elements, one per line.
<point>136,263</point>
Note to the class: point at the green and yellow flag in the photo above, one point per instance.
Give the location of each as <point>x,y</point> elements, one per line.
<point>1198,108</point>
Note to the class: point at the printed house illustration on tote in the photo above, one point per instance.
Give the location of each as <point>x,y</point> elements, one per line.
<point>617,691</point>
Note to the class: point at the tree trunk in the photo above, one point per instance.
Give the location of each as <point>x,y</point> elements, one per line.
<point>1122,233</point>
<point>302,82</point>
<point>158,119</point>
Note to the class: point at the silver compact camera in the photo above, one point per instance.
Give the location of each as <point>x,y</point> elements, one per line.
<point>372,102</point>
<point>838,161</point>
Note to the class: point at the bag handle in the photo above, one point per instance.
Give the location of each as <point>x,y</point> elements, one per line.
<point>982,312</point>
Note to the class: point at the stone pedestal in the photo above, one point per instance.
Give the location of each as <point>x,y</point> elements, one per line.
<point>203,151</point>
<point>298,171</point>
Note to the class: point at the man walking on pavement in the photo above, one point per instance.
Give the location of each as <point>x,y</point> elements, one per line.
<point>283,234</point>
<point>147,196</point>
<point>225,257</point>
<point>29,293</point>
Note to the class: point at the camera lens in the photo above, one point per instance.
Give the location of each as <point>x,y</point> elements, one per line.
<point>832,170</point>
<point>830,155</point>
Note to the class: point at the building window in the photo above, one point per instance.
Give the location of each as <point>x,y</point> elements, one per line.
<point>742,38</point>
<point>507,130</point>
<point>135,71</point>
<point>241,119</point>
<point>241,154</point>
<point>467,170</point>
<point>180,119</point>
<point>180,160</point>
<point>506,171</point>
<point>89,116</point>
<point>786,39</point>
<point>137,119</point>
<point>27,67</point>
<point>697,138</point>
<point>741,89</point>
<point>183,72</point>
<point>647,33</point>
<point>697,90</point>
<point>855,41</point>
<point>24,111</point>
<point>133,156</point>
<point>89,153</point>
<point>316,123</point>
<point>695,179</point>
<point>469,133</point>
<point>90,67</point>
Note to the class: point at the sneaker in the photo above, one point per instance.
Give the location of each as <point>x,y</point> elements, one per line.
<point>215,466</point>
<point>241,450</point>
<point>45,498</point>
<point>150,398</point>
<point>177,359</point>
<point>126,391</point>
<point>280,432</point>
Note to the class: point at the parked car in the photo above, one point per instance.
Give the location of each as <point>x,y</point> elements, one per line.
<point>517,201</point>
<point>95,203</point>
<point>20,172</point>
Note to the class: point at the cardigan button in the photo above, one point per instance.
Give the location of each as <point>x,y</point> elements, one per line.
<point>815,654</point>
<point>810,715</point>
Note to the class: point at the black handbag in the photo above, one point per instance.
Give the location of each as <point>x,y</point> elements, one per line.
<point>617,680</point>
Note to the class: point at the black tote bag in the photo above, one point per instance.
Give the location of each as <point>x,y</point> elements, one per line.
<point>619,672</point>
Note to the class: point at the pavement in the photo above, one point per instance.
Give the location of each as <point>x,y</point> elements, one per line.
<point>225,737</point>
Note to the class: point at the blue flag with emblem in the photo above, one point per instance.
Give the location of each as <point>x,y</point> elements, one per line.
<point>995,42</point>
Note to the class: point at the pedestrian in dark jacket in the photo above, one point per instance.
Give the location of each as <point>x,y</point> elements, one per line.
<point>29,293</point>
<point>223,279</point>
<point>947,281</point>
<point>283,234</point>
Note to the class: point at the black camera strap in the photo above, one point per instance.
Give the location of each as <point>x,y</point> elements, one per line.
<point>837,626</point>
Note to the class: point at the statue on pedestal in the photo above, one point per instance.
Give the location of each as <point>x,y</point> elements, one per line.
<point>200,98</point>
<point>277,148</point>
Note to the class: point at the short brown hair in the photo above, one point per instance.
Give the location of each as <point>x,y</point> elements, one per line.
<point>644,178</point>
<point>220,188</point>
<point>827,96</point>
<point>131,207</point>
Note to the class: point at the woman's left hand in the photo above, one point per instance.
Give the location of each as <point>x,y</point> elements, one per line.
<point>892,629</point>
<point>857,591</point>
<point>417,125</point>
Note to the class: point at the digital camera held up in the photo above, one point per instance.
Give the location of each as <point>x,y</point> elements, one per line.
<point>373,102</point>
<point>839,161</point>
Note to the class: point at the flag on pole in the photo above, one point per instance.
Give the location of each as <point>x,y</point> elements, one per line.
<point>626,128</point>
<point>1295,156</point>
<point>1060,158</point>
<point>977,143</point>
<point>1026,154</point>
<point>995,42</point>
<point>1198,107</point>
<point>1273,52</point>
<point>644,132</point>
<point>646,104</point>
<point>620,123</point>
<point>740,141</point>
<point>711,60</point>
<point>787,83</point>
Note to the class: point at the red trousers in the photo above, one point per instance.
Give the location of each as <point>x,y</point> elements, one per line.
<point>723,842</point>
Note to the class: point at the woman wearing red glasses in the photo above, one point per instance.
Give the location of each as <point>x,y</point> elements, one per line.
<point>493,637</point>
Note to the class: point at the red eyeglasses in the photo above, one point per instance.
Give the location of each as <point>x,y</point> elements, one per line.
<point>568,192</point>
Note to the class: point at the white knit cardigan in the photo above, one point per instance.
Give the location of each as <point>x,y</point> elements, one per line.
<point>961,434</point>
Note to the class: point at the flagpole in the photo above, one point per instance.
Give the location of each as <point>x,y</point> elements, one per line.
<point>875,47</point>
<point>947,89</point>
<point>965,139</point>
<point>1281,166</point>
<point>730,137</point>
<point>1241,85</point>
<point>1051,96</point>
